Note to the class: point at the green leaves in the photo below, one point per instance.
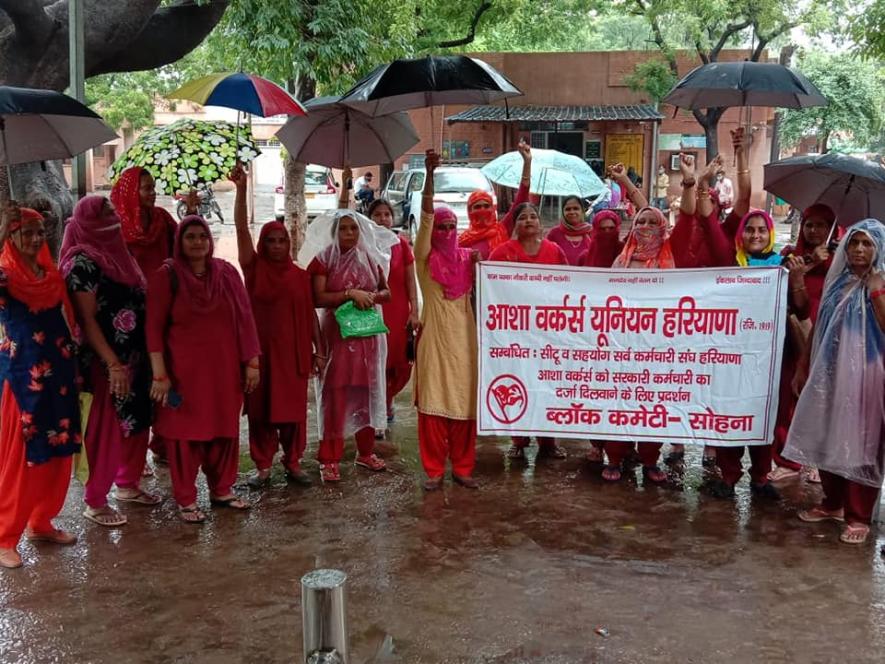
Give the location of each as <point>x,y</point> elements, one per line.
<point>856,95</point>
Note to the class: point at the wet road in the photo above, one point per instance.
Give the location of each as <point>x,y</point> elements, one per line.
<point>524,570</point>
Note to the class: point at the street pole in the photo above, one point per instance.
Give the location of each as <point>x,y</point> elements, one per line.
<point>77,88</point>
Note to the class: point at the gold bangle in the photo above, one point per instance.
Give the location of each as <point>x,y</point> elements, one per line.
<point>746,172</point>
<point>703,193</point>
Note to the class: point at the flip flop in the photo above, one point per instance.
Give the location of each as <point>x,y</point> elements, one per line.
<point>57,536</point>
<point>854,534</point>
<point>196,511</point>
<point>140,498</point>
<point>115,519</point>
<point>230,503</point>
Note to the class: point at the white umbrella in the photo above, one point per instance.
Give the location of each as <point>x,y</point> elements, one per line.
<point>336,136</point>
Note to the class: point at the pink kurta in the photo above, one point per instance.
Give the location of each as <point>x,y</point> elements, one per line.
<point>203,361</point>
<point>572,251</point>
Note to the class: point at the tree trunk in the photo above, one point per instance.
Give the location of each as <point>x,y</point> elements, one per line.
<point>824,143</point>
<point>296,209</point>
<point>120,36</point>
<point>304,89</point>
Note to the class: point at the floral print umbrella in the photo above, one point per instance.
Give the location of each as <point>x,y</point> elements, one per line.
<point>188,154</point>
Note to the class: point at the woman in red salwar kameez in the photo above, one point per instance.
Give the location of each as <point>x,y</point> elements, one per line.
<point>647,247</point>
<point>808,263</point>
<point>486,231</point>
<point>149,232</point>
<point>291,347</point>
<point>401,312</point>
<point>530,247</point>
<point>39,411</point>
<point>204,353</point>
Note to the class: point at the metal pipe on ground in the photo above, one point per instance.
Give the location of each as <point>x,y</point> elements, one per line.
<point>324,617</point>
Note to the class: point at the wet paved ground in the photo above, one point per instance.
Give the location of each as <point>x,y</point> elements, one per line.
<point>524,570</point>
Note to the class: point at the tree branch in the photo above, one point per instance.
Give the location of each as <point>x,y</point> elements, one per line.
<point>765,39</point>
<point>32,24</point>
<point>484,6</point>
<point>642,9</point>
<point>170,34</point>
<point>730,30</point>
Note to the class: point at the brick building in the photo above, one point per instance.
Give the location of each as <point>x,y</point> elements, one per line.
<point>579,103</point>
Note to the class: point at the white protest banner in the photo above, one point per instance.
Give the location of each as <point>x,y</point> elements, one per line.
<point>676,356</point>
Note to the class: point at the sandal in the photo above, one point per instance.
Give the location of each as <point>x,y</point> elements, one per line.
<point>552,451</point>
<point>817,514</point>
<point>372,462</point>
<point>812,476</point>
<point>854,533</point>
<point>105,516</point>
<point>654,474</point>
<point>782,473</point>
<point>234,502</point>
<point>139,498</point>
<point>516,453</point>
<point>611,473</point>
<point>191,514</point>
<point>55,536</point>
<point>329,472</point>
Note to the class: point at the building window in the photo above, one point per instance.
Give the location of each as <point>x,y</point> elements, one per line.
<point>593,149</point>
<point>539,140</point>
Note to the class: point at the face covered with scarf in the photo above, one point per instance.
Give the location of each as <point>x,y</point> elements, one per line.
<point>648,241</point>
<point>94,231</point>
<point>450,266</point>
<point>484,223</point>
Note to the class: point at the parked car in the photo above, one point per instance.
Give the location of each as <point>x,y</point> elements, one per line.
<point>320,192</point>
<point>452,186</point>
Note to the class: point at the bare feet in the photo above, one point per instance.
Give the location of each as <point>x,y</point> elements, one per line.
<point>10,559</point>
<point>54,536</point>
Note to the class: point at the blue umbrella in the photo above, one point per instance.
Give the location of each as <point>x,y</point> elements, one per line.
<point>553,174</point>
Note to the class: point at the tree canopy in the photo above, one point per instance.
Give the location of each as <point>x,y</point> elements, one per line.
<point>855,90</point>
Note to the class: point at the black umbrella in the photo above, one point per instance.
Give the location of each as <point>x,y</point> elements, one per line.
<point>39,125</point>
<point>854,188</point>
<point>430,81</point>
<point>724,84</point>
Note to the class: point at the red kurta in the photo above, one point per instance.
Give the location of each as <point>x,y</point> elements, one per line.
<point>285,327</point>
<point>150,254</point>
<point>512,252</point>
<point>396,312</point>
<point>203,360</point>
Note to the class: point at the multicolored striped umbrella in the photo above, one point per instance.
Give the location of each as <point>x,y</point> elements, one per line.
<point>242,92</point>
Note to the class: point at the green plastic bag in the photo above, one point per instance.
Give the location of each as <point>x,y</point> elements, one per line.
<point>355,322</point>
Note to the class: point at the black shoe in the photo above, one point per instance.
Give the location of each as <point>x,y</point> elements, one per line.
<point>256,483</point>
<point>299,478</point>
<point>721,489</point>
<point>766,490</point>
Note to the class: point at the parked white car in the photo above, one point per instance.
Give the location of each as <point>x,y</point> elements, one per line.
<point>320,192</point>
<point>452,185</point>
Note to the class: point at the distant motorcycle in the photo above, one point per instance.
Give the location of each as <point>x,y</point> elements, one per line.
<point>208,205</point>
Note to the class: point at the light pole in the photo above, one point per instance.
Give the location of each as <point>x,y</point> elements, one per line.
<point>77,87</point>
